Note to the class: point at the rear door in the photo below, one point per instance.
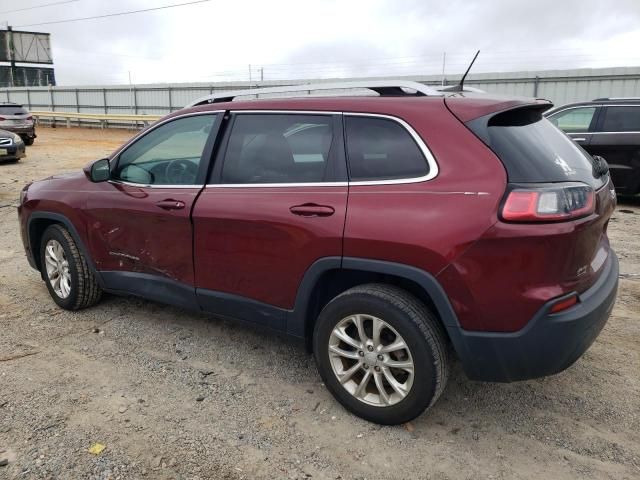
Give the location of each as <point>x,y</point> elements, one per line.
<point>139,222</point>
<point>274,205</point>
<point>617,139</point>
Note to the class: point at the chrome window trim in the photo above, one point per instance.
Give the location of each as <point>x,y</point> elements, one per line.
<point>430,159</point>
<point>296,112</point>
<point>143,185</point>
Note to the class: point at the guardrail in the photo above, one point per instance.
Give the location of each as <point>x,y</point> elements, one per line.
<point>101,118</point>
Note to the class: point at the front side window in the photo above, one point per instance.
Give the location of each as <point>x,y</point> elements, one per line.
<point>575,120</point>
<point>278,148</point>
<point>167,155</point>
<point>382,149</point>
<point>622,119</point>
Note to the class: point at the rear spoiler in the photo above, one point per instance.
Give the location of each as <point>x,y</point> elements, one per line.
<point>519,115</point>
<point>469,107</point>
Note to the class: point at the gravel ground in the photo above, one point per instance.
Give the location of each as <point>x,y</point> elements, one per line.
<point>177,395</point>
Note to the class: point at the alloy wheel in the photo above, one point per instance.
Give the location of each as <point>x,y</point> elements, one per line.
<point>371,360</point>
<point>57,267</point>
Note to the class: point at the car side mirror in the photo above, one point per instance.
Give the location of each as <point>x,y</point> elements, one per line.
<point>100,171</point>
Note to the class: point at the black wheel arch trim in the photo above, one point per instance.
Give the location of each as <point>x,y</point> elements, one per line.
<point>59,218</point>
<point>298,317</point>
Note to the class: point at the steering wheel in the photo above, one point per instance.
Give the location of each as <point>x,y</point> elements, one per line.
<point>181,172</point>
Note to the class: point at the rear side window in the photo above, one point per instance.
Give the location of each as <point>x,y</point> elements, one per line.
<point>622,119</point>
<point>12,110</point>
<point>533,150</point>
<point>382,149</point>
<point>278,148</point>
<point>574,120</point>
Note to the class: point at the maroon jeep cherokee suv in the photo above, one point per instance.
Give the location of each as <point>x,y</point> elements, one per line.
<point>386,231</point>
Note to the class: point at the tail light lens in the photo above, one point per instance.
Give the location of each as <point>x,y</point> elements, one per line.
<point>549,203</point>
<point>2,118</point>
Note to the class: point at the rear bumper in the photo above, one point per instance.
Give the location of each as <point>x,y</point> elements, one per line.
<point>548,344</point>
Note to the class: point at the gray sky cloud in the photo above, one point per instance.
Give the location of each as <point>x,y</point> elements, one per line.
<point>217,40</point>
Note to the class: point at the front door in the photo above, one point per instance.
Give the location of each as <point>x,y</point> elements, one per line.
<point>275,204</point>
<point>139,227</point>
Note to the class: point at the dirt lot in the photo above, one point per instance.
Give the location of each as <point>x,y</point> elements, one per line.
<point>178,395</point>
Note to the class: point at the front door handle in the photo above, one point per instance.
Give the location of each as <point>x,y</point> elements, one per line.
<point>312,210</point>
<point>170,204</point>
<point>580,139</point>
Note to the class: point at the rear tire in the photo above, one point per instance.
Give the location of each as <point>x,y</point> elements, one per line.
<point>69,279</point>
<point>404,367</point>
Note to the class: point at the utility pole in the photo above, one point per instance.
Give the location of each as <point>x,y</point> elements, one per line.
<point>262,74</point>
<point>444,61</point>
<point>12,56</point>
<point>249,73</point>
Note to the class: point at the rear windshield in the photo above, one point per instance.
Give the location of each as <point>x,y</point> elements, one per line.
<point>12,110</point>
<point>533,150</point>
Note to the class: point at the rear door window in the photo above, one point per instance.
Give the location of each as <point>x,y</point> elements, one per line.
<point>574,120</point>
<point>279,148</point>
<point>621,119</point>
<point>382,149</point>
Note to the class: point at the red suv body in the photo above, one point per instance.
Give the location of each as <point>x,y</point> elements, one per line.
<point>486,222</point>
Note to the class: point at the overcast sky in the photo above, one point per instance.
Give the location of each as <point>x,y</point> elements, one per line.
<point>218,40</point>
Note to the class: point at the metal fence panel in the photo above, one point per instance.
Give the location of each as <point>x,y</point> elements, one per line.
<point>559,86</point>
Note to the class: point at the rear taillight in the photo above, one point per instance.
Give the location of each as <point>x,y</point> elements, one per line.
<point>549,203</point>
<point>2,118</point>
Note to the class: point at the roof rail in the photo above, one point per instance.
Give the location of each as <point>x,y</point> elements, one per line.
<point>382,87</point>
<point>603,99</point>
<point>452,88</point>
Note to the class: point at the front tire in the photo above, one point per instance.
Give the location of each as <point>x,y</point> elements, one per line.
<point>69,279</point>
<point>381,353</point>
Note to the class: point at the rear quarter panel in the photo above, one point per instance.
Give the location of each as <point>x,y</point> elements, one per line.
<point>428,224</point>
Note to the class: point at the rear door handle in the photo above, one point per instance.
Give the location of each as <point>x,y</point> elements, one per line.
<point>312,210</point>
<point>580,139</point>
<point>170,204</point>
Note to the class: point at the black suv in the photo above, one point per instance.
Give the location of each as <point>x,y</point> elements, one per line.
<point>609,127</point>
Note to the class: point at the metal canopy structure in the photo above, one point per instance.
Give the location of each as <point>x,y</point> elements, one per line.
<point>25,47</point>
<point>381,87</point>
<point>21,47</point>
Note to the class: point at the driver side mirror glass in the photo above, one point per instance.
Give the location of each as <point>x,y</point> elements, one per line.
<point>100,171</point>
